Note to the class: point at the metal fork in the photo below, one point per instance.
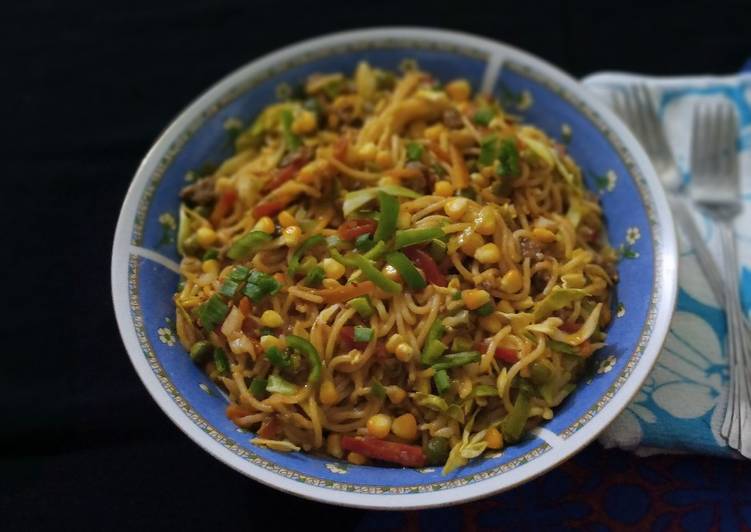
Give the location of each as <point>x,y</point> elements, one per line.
<point>716,188</point>
<point>635,106</point>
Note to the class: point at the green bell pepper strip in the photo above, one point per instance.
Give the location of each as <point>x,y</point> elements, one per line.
<point>372,273</point>
<point>455,360</point>
<point>302,346</point>
<point>247,244</point>
<point>486,309</point>
<point>442,381</point>
<point>200,351</point>
<point>362,306</point>
<point>294,262</point>
<point>276,384</point>
<point>377,389</point>
<point>278,359</point>
<point>407,270</point>
<point>376,251</point>
<point>483,116</point>
<point>411,237</point>
<point>341,259</point>
<point>314,277</point>
<point>512,425</point>
<point>414,151</point>
<point>436,332</point>
<point>432,352</point>
<point>485,390</point>
<point>561,347</point>
<point>389,214</point>
<point>257,387</point>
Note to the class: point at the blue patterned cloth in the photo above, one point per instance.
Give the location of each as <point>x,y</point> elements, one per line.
<point>681,406</point>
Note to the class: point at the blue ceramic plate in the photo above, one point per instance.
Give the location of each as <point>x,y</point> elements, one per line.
<point>144,262</point>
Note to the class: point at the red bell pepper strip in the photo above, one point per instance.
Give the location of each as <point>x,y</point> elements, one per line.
<point>351,229</point>
<point>504,354</point>
<point>286,173</point>
<point>268,209</point>
<point>426,263</point>
<point>223,206</point>
<point>388,451</point>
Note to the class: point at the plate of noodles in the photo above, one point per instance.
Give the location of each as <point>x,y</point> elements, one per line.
<point>394,268</point>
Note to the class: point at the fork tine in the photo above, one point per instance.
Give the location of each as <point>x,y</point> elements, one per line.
<point>638,122</point>
<point>698,143</point>
<point>648,115</point>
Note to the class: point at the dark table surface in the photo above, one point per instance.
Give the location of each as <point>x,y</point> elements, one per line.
<point>86,89</point>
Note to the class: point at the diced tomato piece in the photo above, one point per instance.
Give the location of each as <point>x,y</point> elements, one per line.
<point>270,428</point>
<point>347,338</point>
<point>504,354</point>
<point>388,451</point>
<point>235,412</point>
<point>351,229</point>
<point>286,173</point>
<point>245,305</point>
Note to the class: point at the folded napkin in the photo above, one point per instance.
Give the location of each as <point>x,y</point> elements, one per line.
<point>682,403</point>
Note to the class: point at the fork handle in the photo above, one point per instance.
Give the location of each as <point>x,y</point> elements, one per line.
<point>703,256</point>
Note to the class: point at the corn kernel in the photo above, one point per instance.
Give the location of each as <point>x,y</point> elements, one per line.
<point>488,254</point>
<point>328,394</point>
<point>393,342</point>
<point>524,303</point>
<point>367,151</point>
<point>485,221</point>
<point>491,324</point>
<point>404,352</point>
<point>205,236</point>
<point>305,122</point>
<point>268,341</point>
<point>573,280</point>
<point>478,179</point>
<point>405,427</point>
<point>383,159</point>
<point>474,299</point>
<point>334,445</point>
<point>356,458</point>
<point>210,266</point>
<point>471,243</point>
<point>404,221</point>
<point>286,219</point>
<point>511,281</point>
<point>265,224</point>
<point>543,235</point>
<point>505,306</point>
<point>458,90</point>
<point>271,318</point>
<point>332,268</point>
<point>444,188</point>
<point>379,425</point>
<point>456,207</point>
<point>434,132</point>
<point>465,387</point>
<point>395,394</point>
<point>493,438</point>
<point>292,235</point>
<point>390,272</point>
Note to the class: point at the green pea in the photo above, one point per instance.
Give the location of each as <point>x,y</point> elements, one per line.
<point>437,450</point>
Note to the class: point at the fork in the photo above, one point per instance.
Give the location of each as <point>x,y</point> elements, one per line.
<point>635,106</point>
<point>716,188</point>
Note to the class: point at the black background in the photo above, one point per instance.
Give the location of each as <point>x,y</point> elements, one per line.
<point>86,89</point>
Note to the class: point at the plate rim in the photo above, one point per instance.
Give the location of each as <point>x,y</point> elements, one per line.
<point>665,274</point>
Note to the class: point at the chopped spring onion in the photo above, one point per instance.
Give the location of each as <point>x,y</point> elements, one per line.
<point>485,390</point>
<point>257,387</point>
<point>278,358</point>
<point>260,285</point>
<point>432,352</point>
<point>509,158</point>
<point>220,361</point>
<point>363,334</point>
<point>229,288</point>
<point>211,253</point>
<point>239,274</point>
<point>213,312</point>
<point>200,352</point>
<point>488,150</point>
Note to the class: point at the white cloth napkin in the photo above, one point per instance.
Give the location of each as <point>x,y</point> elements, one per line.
<point>682,403</point>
